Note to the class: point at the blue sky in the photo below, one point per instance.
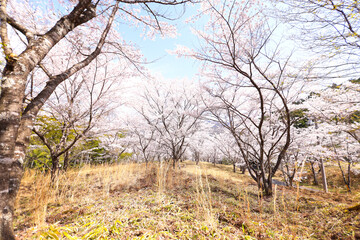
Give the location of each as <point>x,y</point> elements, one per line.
<point>169,66</point>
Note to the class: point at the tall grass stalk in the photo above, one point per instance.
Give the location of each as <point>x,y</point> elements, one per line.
<point>161,178</point>
<point>204,199</point>
<point>42,195</point>
<point>275,200</point>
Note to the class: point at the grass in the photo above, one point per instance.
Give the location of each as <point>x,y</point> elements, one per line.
<point>132,201</point>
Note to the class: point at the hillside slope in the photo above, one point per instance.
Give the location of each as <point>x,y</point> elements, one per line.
<point>132,201</point>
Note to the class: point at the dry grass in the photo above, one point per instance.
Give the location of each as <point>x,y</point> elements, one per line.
<point>132,201</point>
<point>87,184</point>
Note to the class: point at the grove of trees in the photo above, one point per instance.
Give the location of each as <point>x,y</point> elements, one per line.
<point>84,29</point>
<point>257,102</point>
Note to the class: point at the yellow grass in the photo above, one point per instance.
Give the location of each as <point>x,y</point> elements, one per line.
<point>132,201</point>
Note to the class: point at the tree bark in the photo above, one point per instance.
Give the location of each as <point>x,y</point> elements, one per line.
<point>54,168</point>
<point>10,177</point>
<point>314,174</point>
<point>346,179</point>
<point>349,176</point>
<point>323,175</point>
<point>268,187</point>
<point>66,161</point>
<point>12,153</point>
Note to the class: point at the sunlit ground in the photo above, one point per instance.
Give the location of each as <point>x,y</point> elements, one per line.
<point>132,201</point>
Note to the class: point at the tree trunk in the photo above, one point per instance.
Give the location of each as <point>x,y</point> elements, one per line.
<point>66,161</point>
<point>12,153</point>
<point>259,182</point>
<point>346,179</point>
<point>323,175</point>
<point>349,176</point>
<point>291,179</point>
<point>234,167</point>
<point>314,174</point>
<point>14,139</point>
<point>54,168</point>
<point>10,177</point>
<point>267,187</point>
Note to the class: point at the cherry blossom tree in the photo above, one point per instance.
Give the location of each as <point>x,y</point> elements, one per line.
<point>338,17</point>
<point>337,124</point>
<point>298,152</point>
<point>172,110</point>
<point>78,105</point>
<point>117,144</point>
<point>143,139</point>
<point>40,37</point>
<point>249,85</point>
<point>203,144</point>
<point>229,149</point>
<point>329,28</point>
<point>197,143</point>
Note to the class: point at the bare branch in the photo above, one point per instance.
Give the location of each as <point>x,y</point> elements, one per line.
<point>3,30</point>
<point>21,28</point>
